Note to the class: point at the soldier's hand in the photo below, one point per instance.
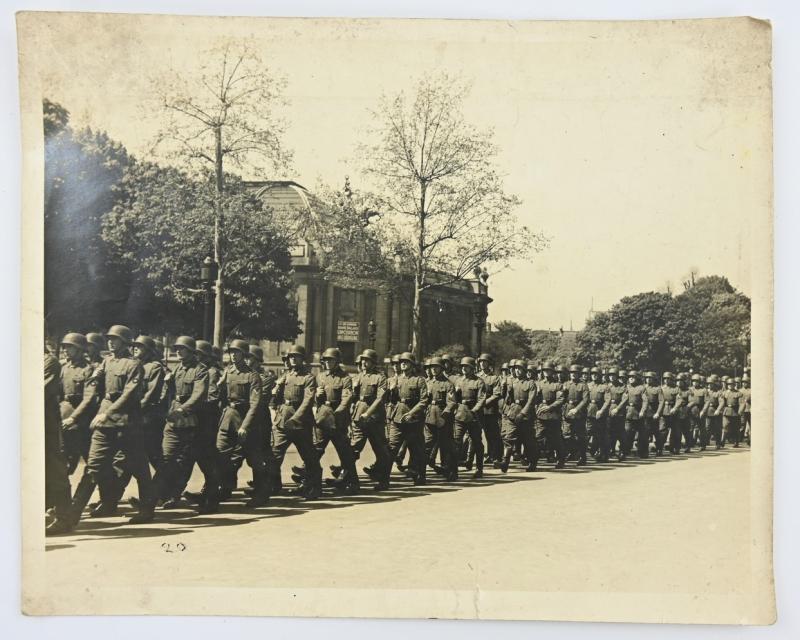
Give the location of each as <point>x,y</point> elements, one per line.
<point>656,416</point>
<point>571,413</point>
<point>613,412</point>
<point>98,420</point>
<point>523,415</point>
<point>67,422</point>
<point>242,433</point>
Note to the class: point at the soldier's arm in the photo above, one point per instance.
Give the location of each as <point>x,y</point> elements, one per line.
<point>480,401</point>
<point>678,402</point>
<point>309,389</point>
<point>606,403</point>
<point>494,398</point>
<point>347,394</point>
<point>423,399</point>
<point>584,402</point>
<point>661,401</point>
<point>380,397</point>
<point>528,408</point>
<point>277,392</point>
<point>152,386</point>
<point>255,401</point>
<point>131,388</point>
<point>222,387</point>
<point>450,403</point>
<point>199,390</point>
<point>560,399</point>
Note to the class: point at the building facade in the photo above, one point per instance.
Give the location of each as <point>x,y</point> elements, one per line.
<point>357,319</point>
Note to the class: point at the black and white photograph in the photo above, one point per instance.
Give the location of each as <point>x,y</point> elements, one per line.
<point>397,318</point>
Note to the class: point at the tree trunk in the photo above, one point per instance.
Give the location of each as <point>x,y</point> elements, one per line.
<point>219,290</point>
<point>419,281</point>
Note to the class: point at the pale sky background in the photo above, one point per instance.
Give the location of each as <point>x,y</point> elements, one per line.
<point>641,152</point>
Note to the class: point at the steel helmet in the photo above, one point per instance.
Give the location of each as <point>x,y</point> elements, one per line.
<point>596,370</point>
<point>746,377</point>
<point>395,358</point>
<point>370,354</point>
<point>147,342</point>
<point>122,332</point>
<point>426,363</point>
<point>547,366</point>
<point>96,339</point>
<point>575,368</point>
<point>436,361</point>
<point>531,366</point>
<point>650,374</point>
<point>562,368</point>
<point>522,362</point>
<point>204,347</point>
<point>486,357</point>
<point>239,345</point>
<point>623,373</point>
<point>588,370</point>
<point>667,374</point>
<point>297,350</point>
<point>713,378</point>
<point>256,352</point>
<point>331,353</point>
<point>696,377</point>
<point>504,366</point>
<point>633,373</point>
<point>76,340</point>
<point>737,379</point>
<point>407,356</point>
<point>446,357</point>
<point>612,371</point>
<point>467,361</point>
<point>185,341</point>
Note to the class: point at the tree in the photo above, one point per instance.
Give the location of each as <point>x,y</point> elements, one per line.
<point>82,173</point>
<point>161,234</point>
<point>224,114</point>
<point>544,345</point>
<point>509,340</point>
<point>439,192</point>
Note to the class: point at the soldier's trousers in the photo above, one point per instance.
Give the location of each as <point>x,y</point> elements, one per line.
<point>637,429</point>
<point>56,479</point>
<point>153,435</point>
<point>550,438</point>
<point>120,448</point>
<point>233,449</point>
<point>597,430</point>
<point>656,429</point>
<point>519,432</point>
<point>76,445</point>
<point>206,454</point>
<point>373,431</point>
<point>474,431</point>
<point>447,446</point>
<point>574,431</point>
<point>746,426</point>
<point>731,426</point>
<point>680,428</point>
<point>177,459</point>
<point>616,435</point>
<point>699,431</point>
<point>412,433</point>
<point>431,444</point>
<point>338,436</point>
<point>670,426</point>
<point>714,429</point>
<point>288,433</point>
<point>494,442</point>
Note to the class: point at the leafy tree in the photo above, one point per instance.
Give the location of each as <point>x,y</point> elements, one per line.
<point>440,193</point>
<point>544,345</point>
<point>163,231</point>
<point>509,340</point>
<point>225,114</point>
<point>455,351</point>
<point>82,172</point>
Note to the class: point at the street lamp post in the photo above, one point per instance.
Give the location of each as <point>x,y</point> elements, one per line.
<point>207,276</point>
<point>372,330</point>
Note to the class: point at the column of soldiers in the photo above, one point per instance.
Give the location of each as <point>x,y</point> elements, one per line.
<point>129,415</point>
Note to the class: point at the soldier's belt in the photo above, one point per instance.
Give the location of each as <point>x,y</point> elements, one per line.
<point>293,404</point>
<point>72,397</point>
<point>368,399</point>
<point>113,396</point>
<point>238,404</point>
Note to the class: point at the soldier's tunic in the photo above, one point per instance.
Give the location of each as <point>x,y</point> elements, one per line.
<point>294,421</point>
<point>669,423</point>
<point>576,399</point>
<point>117,441</point>
<point>618,394</point>
<point>334,397</point>
<point>153,414</point>
<point>188,393</point>
<point>408,416</point>
<point>746,414</point>
<point>470,393</point>
<point>698,408</point>
<point>549,403</point>
<point>518,420</point>
<point>77,404</point>
<point>714,416</point>
<point>635,426</point>
<point>597,419</point>
<point>268,382</point>
<point>369,420</point>
<point>491,414</point>
<point>682,424</point>
<point>56,478</point>
<point>654,405</point>
<point>439,420</point>
<point>240,395</point>
<point>731,415</point>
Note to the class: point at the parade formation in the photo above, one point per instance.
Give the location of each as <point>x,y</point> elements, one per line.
<point>112,402</point>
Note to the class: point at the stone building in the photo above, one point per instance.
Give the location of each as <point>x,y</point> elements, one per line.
<point>354,320</point>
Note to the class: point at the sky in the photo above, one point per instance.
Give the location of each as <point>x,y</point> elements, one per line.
<point>640,152</point>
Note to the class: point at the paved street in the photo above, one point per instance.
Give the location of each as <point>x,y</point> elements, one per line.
<point>656,525</point>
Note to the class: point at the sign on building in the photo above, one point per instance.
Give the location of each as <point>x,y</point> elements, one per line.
<point>347,331</point>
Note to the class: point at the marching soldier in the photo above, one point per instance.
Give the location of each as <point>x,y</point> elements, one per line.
<point>682,424</point>
<point>188,394</point>
<point>116,429</point>
<point>549,403</point>
<point>586,375</point>
<point>334,396</point>
<point>491,411</point>
<point>635,425</point>
<point>294,420</point>
<point>746,408</point>
<point>408,415</point>
<point>76,406</point>
<point>672,401</point>
<point>597,415</point>
<point>731,413</point>
<point>255,359</point>
<point>239,435</point>
<point>439,418</point>
<point>618,400</point>
<point>471,397</point>
<point>654,407</point>
<point>714,413</point>
<point>369,417</point>
<point>576,399</point>
<point>698,408</point>
<point>153,416</point>
<point>94,347</point>
<point>56,476</point>
<point>518,414</point>
<point>563,373</point>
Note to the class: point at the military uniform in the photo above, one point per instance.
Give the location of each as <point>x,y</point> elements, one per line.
<point>746,406</point>
<point>681,422</point>
<point>240,396</point>
<point>518,419</point>
<point>369,416</point>
<point>618,395</point>
<point>334,396</point>
<point>635,426</point>
<point>76,402</point>
<point>491,414</point>
<point>731,415</point>
<point>56,478</point>
<point>654,406</point>
<point>153,414</point>
<point>408,415</point>
<point>597,419</point>
<point>439,419</point>
<point>294,423</point>
<point>714,416</point>
<point>549,403</point>
<point>576,399</point>
<point>470,392</point>
<point>698,408</point>
<point>668,424</point>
